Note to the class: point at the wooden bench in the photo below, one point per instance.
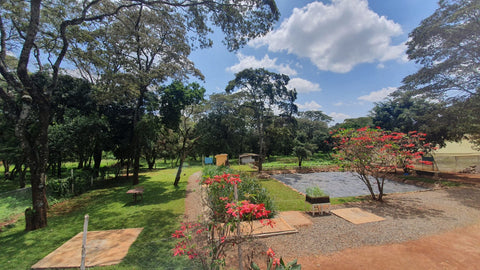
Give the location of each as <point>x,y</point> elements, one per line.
<point>136,191</point>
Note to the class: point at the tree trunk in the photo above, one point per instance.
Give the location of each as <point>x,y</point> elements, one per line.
<point>35,148</point>
<point>97,159</point>
<point>37,159</point>
<point>59,167</point>
<point>300,162</point>
<point>365,180</point>
<point>182,159</point>
<point>7,169</point>
<point>179,172</point>
<point>80,163</point>
<point>22,176</point>
<point>380,189</point>
<point>261,145</point>
<point>150,161</point>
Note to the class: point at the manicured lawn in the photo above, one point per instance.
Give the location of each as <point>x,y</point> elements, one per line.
<point>160,213</point>
<point>287,162</point>
<point>285,198</point>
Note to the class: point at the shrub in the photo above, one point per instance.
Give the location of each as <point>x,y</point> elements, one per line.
<point>315,192</point>
<point>219,194</point>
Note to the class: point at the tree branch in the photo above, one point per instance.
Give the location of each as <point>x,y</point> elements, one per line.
<point>22,69</point>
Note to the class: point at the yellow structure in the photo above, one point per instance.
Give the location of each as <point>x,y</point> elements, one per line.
<point>221,159</point>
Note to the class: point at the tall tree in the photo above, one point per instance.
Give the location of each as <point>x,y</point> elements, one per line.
<point>263,91</point>
<point>355,123</point>
<point>446,46</point>
<point>35,28</point>
<point>313,126</point>
<point>179,104</point>
<point>404,113</point>
<point>223,128</point>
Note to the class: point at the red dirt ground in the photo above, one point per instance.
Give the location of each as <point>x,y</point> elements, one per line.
<point>458,249</point>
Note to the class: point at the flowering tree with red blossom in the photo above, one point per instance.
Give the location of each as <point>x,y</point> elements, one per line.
<point>373,153</point>
<point>206,242</point>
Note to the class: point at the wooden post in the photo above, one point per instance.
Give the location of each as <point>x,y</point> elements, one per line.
<point>84,243</point>
<point>240,265</point>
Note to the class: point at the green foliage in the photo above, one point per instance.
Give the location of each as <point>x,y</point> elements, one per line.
<point>445,45</point>
<point>224,128</point>
<point>448,70</point>
<point>372,153</point>
<point>261,91</point>
<point>312,128</point>
<point>175,97</point>
<point>404,113</point>
<point>354,123</point>
<point>248,189</point>
<point>315,192</point>
<point>278,264</point>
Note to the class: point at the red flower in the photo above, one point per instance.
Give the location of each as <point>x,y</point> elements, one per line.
<point>270,253</point>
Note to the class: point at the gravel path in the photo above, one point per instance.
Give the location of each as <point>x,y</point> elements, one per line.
<point>408,216</point>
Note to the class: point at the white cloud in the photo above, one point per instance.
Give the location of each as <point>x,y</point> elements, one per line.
<point>309,106</point>
<point>339,104</point>
<point>338,117</point>
<point>303,86</point>
<point>379,95</point>
<point>336,36</point>
<point>267,63</point>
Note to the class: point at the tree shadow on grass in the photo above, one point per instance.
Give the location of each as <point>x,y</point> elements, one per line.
<point>153,248</point>
<point>156,192</point>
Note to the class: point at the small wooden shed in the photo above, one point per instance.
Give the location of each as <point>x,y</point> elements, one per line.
<point>247,158</point>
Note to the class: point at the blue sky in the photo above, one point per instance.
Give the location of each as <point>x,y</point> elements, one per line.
<point>341,55</point>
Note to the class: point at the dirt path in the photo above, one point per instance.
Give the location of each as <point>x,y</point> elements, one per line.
<point>457,249</point>
<point>193,199</point>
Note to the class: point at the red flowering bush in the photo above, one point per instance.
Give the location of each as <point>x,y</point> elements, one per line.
<point>220,191</point>
<point>206,242</point>
<point>373,153</point>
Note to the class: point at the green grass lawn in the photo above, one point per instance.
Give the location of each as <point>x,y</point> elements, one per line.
<point>12,203</point>
<point>289,162</point>
<point>160,213</point>
<point>287,199</point>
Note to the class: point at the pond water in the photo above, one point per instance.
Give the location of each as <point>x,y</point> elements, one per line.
<point>340,184</point>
